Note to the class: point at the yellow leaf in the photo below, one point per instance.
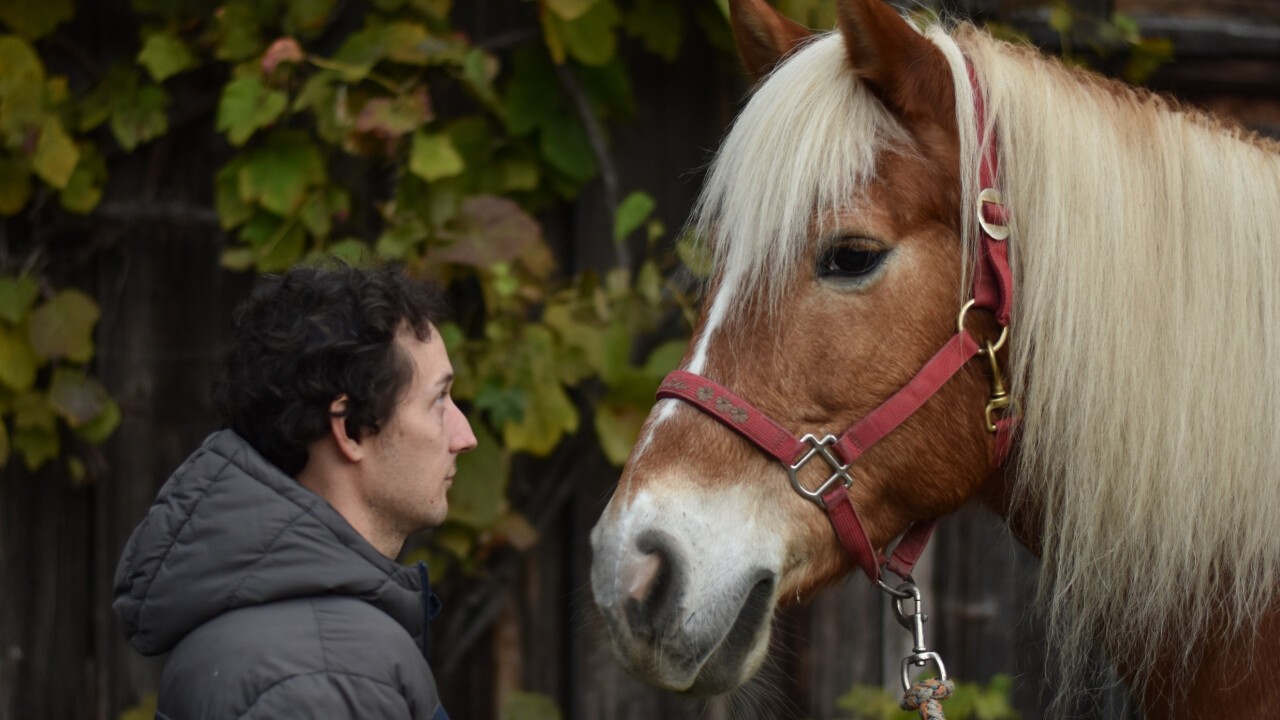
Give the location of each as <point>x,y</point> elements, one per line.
<point>570,9</point>
<point>56,154</point>
<point>433,156</point>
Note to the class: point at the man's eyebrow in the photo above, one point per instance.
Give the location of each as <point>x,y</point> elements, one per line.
<point>443,380</point>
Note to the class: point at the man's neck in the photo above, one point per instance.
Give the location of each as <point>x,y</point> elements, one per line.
<point>342,492</point>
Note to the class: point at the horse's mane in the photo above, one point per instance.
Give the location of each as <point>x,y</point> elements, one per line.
<point>1145,351</point>
<point>1145,356</point>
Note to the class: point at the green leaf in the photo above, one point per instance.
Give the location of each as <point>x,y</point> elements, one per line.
<point>35,429</point>
<point>479,69</point>
<point>278,174</point>
<point>409,43</point>
<point>632,213</point>
<point>695,254</point>
<point>22,90</point>
<point>140,117</point>
<point>592,38</point>
<point>659,25</point>
<point>164,55</point>
<point>35,18</point>
<point>233,211</point>
<point>433,156</point>
<point>56,154</point>
<point>618,427</point>
<point>1146,56</point>
<point>276,243</point>
<point>100,428</point>
<point>665,358</point>
<point>476,498</point>
<point>76,398</point>
<point>18,362</point>
<point>549,413</point>
<point>17,295</point>
<point>565,145</point>
<point>84,189</point>
<point>308,17</point>
<point>239,30</point>
<point>1126,26</point>
<point>529,706</point>
<point>360,52</point>
<point>570,9</point>
<point>237,259</point>
<point>529,99</point>
<point>63,327</point>
<point>608,87</point>
<point>351,251</point>
<point>15,185</point>
<point>519,174</point>
<point>320,94</point>
<point>322,207</point>
<point>1061,17</point>
<point>37,447</point>
<point>247,106</point>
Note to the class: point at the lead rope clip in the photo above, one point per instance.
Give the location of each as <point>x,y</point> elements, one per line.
<point>927,694</point>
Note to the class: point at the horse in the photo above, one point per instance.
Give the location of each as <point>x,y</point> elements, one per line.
<point>1113,393</point>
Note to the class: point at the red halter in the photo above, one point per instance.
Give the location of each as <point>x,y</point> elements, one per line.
<point>992,290</point>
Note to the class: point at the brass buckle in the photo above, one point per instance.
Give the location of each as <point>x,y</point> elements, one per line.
<point>997,232</point>
<point>1000,399</point>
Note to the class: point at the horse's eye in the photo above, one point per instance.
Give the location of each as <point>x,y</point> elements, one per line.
<point>847,261</point>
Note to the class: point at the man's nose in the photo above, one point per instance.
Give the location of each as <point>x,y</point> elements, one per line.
<point>462,438</point>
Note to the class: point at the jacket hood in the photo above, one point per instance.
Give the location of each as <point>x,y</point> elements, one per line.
<point>230,530</point>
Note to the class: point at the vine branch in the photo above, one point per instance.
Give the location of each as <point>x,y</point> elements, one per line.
<point>599,148</point>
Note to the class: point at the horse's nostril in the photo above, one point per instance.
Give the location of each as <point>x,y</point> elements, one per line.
<point>645,577</point>
<point>652,582</point>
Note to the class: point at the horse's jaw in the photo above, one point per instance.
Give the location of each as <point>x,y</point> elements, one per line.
<point>687,598</point>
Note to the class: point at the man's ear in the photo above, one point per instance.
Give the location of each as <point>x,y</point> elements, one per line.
<point>763,35</point>
<point>349,447</point>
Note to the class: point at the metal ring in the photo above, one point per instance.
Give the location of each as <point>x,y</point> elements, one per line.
<point>921,659</point>
<point>1004,331</point>
<point>999,233</point>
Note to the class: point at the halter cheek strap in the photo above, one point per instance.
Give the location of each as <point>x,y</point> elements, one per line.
<point>992,290</point>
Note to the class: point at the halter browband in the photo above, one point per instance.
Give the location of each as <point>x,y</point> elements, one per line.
<point>992,291</point>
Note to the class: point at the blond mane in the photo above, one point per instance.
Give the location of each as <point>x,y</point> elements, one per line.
<point>1145,357</point>
<point>1145,351</point>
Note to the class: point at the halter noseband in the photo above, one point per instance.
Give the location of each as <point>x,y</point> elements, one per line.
<point>992,291</point>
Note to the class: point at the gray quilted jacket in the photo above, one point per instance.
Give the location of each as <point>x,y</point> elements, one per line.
<point>268,602</point>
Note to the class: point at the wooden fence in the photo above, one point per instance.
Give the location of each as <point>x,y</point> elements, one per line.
<point>526,623</point>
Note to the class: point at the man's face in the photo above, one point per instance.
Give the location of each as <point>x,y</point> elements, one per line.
<point>414,457</point>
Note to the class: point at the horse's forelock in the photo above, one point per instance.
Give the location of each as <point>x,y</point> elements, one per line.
<point>802,149</point>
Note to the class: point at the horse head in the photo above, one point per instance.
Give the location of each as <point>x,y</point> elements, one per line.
<point>835,215</point>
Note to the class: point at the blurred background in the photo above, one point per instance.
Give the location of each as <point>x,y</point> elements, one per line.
<point>537,156</point>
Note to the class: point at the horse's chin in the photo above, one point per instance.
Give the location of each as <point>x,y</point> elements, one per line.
<point>707,665</point>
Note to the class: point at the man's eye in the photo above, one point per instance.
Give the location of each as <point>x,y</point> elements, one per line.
<point>847,261</point>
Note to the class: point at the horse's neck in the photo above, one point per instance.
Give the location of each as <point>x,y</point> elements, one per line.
<point>1232,678</point>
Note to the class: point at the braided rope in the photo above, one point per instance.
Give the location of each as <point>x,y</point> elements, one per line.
<point>927,696</point>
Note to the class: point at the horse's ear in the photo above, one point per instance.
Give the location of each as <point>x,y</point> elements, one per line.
<point>908,73</point>
<point>764,36</point>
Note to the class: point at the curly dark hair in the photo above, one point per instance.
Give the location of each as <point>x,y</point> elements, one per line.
<point>305,338</point>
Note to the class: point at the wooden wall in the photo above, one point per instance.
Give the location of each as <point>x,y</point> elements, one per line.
<point>527,623</point>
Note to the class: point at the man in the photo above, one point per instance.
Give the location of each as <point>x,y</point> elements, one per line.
<point>266,565</point>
